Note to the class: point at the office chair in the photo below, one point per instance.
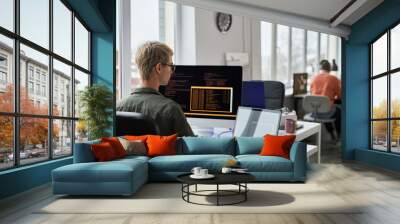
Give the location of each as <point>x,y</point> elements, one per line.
<point>132,123</point>
<point>274,94</point>
<point>319,110</point>
<point>263,94</point>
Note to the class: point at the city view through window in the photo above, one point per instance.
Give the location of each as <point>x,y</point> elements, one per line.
<point>41,122</point>
<point>385,96</point>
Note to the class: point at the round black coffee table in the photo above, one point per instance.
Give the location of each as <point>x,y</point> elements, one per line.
<point>238,179</point>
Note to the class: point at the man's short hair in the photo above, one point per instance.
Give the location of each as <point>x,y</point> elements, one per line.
<point>149,54</point>
<point>325,65</point>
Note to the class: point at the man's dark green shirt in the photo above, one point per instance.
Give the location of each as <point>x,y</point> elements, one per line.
<point>167,113</point>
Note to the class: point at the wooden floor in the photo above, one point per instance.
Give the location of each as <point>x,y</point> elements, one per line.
<point>378,188</point>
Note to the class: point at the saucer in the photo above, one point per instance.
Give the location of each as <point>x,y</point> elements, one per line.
<point>208,176</point>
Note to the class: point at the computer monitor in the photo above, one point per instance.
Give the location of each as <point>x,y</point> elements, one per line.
<point>206,91</point>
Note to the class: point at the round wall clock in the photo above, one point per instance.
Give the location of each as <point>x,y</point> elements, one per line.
<point>224,22</point>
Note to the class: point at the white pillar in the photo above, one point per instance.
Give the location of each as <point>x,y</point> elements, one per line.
<point>125,46</point>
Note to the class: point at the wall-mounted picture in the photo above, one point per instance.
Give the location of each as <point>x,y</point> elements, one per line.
<point>300,83</point>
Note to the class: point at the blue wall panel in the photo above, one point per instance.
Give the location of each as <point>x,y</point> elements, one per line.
<point>102,59</point>
<point>24,178</point>
<point>356,84</point>
<point>90,12</point>
<point>103,63</point>
<point>103,52</point>
<point>357,100</point>
<point>377,158</point>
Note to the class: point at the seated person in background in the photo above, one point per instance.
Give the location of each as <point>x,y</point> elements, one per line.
<point>154,61</point>
<point>325,84</point>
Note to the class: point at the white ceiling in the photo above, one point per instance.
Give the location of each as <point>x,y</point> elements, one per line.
<point>318,9</point>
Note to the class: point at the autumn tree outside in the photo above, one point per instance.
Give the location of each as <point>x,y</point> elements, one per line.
<point>33,131</point>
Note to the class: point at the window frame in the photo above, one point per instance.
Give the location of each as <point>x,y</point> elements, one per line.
<point>16,114</point>
<point>388,74</point>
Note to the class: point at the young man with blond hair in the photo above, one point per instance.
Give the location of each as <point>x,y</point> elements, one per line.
<point>154,61</point>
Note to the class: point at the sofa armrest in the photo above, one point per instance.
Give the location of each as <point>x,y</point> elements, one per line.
<point>83,152</point>
<point>298,155</point>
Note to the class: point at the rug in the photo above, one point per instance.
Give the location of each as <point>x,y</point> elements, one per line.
<point>167,198</point>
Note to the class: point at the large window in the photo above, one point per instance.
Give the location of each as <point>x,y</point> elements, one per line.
<point>159,25</point>
<point>37,66</point>
<point>34,22</point>
<point>282,54</point>
<point>286,50</point>
<point>385,97</point>
<point>7,14</point>
<point>166,21</point>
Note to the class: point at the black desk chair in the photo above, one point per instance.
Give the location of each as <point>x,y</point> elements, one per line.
<point>132,123</point>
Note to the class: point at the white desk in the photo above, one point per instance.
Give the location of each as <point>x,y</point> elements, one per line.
<point>309,129</point>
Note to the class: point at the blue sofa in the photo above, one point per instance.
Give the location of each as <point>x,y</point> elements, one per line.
<point>125,176</point>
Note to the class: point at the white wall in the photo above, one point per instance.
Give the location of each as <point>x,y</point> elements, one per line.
<point>211,45</point>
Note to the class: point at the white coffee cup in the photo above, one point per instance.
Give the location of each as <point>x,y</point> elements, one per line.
<point>226,170</point>
<point>196,170</point>
<point>203,172</point>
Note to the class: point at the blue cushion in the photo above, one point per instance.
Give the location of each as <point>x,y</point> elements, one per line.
<point>205,145</point>
<point>97,171</point>
<point>249,145</point>
<point>132,157</point>
<point>257,163</point>
<point>83,152</point>
<point>185,163</point>
<point>118,177</point>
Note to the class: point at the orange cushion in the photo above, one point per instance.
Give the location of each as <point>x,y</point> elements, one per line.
<point>103,151</point>
<point>134,138</point>
<point>277,145</point>
<point>161,145</point>
<point>116,145</point>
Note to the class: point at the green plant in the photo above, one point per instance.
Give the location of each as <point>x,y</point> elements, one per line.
<point>96,103</point>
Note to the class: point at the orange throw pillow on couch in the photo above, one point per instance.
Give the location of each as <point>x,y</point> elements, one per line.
<point>103,152</point>
<point>136,137</point>
<point>161,145</point>
<point>116,145</point>
<point>277,145</point>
